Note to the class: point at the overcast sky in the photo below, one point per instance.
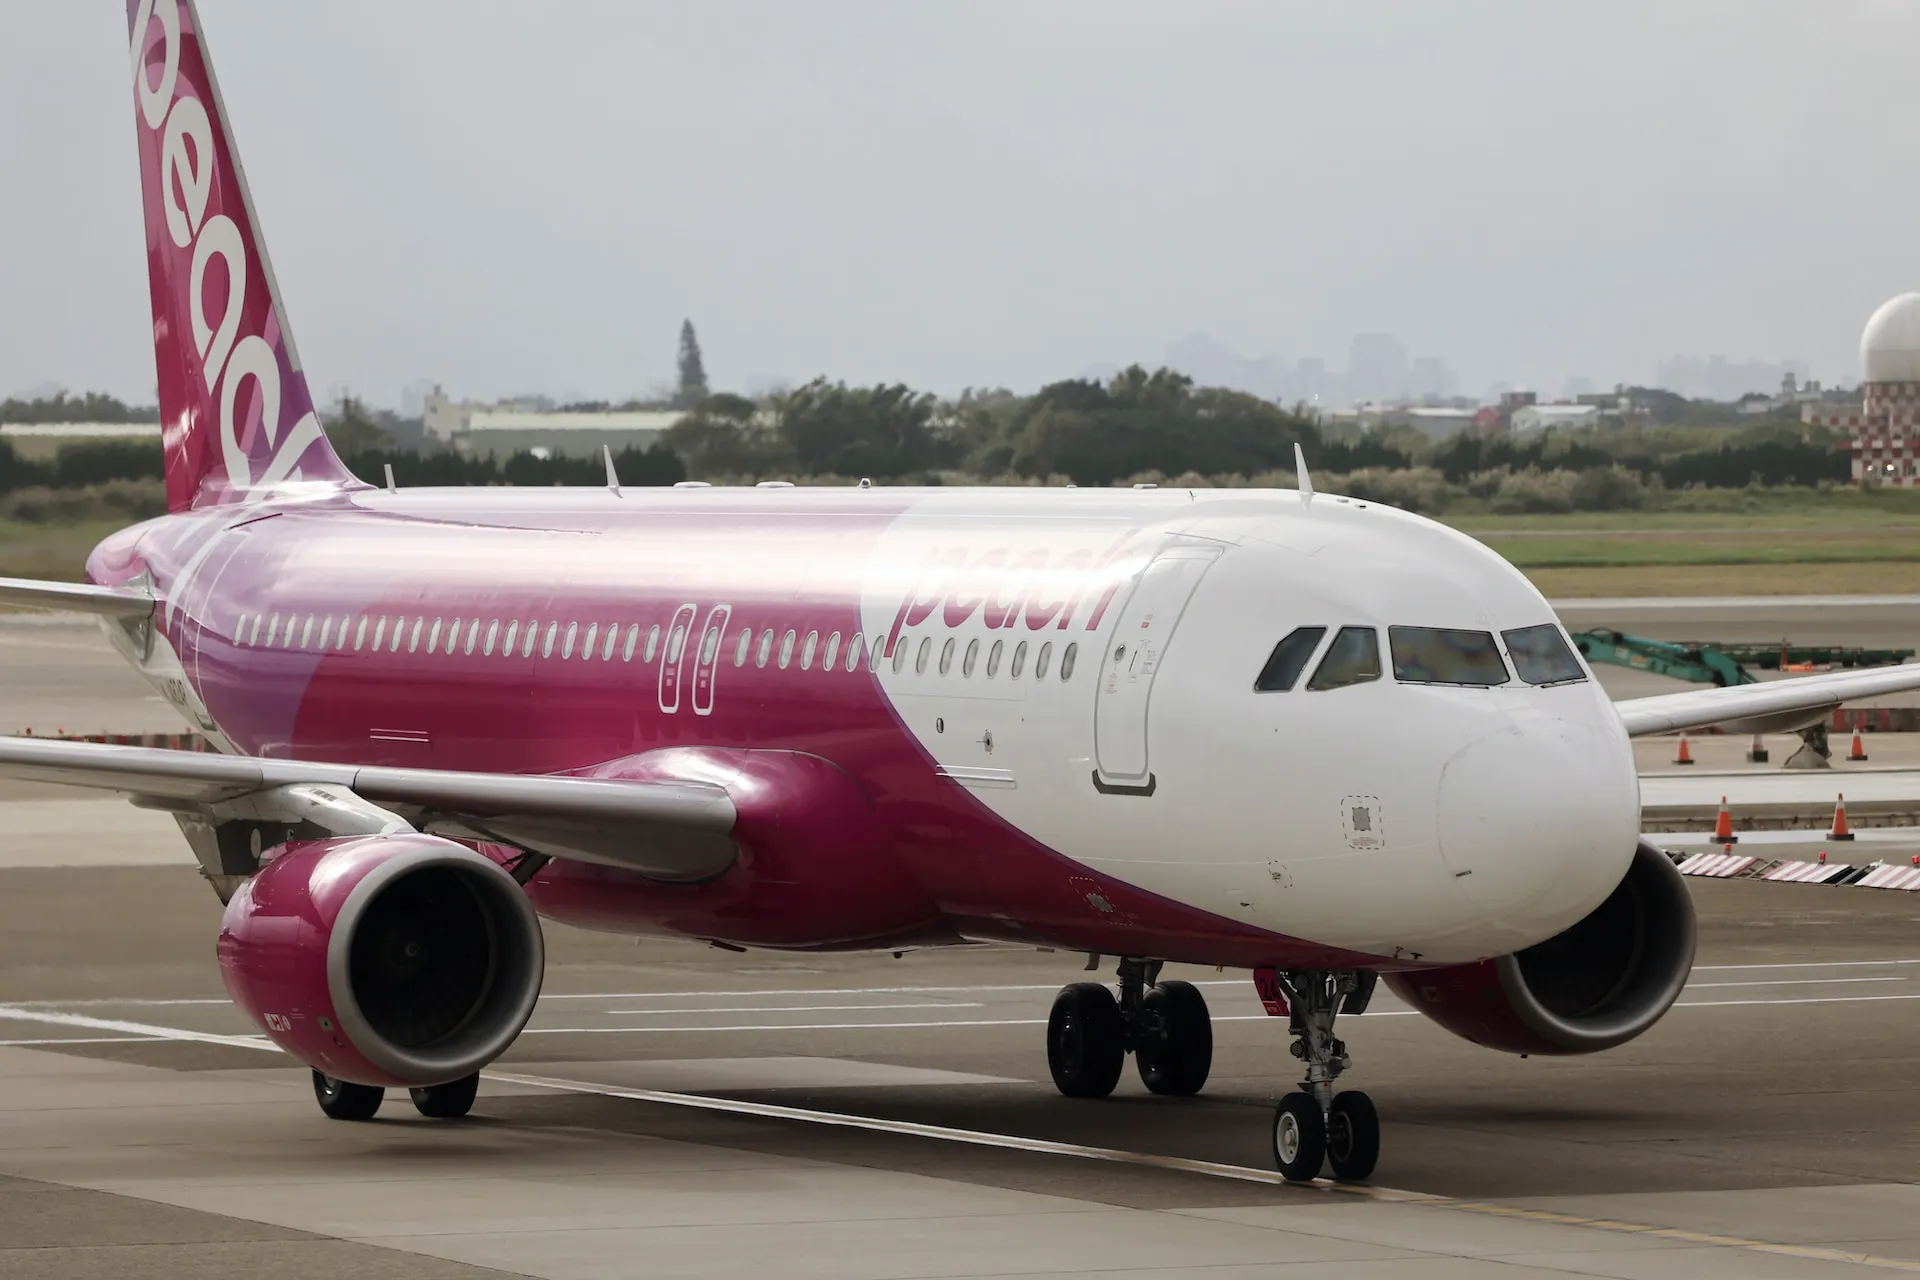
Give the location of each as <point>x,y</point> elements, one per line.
<point>513,197</point>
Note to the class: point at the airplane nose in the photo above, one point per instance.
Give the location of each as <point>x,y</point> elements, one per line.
<point>1538,823</point>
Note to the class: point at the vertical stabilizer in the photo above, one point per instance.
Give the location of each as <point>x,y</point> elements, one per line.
<point>236,416</point>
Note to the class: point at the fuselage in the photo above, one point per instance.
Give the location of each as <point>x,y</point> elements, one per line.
<point>1047,697</point>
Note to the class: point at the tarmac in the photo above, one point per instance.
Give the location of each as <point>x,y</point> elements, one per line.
<point>675,1110</point>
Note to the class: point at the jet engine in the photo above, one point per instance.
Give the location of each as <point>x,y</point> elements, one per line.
<point>1597,985</point>
<point>393,960</point>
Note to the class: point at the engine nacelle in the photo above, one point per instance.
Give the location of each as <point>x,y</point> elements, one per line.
<point>395,960</point>
<point>1598,984</point>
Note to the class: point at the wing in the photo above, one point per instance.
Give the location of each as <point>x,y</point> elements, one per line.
<point>669,830</point>
<point>1768,707</point>
<point>79,597</point>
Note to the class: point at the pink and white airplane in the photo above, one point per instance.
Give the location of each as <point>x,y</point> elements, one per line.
<point>1304,735</point>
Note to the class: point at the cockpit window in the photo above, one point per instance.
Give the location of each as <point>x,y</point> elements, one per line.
<point>1288,659</point>
<point>1352,658</point>
<point>1541,655</point>
<point>1443,655</point>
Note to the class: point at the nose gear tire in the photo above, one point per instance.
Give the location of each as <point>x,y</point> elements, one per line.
<point>1176,1052</point>
<point>1299,1138</point>
<point>1086,1041</point>
<point>340,1100</point>
<point>448,1101</point>
<point>1353,1137</point>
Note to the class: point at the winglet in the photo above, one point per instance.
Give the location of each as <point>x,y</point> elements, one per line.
<point>391,486</point>
<point>1306,481</point>
<point>613,478</point>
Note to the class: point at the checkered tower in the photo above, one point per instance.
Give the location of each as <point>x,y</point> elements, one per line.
<point>1883,434</point>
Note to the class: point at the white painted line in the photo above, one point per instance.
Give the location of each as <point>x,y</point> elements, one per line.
<point>13,1012</point>
<point>1810,964</point>
<point>822,1008</point>
<point>784,1026</point>
<point>1788,982</point>
<point>34,1044</point>
<point>841,991</point>
<point>1721,1004</point>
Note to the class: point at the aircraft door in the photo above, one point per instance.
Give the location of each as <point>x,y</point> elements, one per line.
<point>1135,650</point>
<point>673,656</point>
<point>712,637</point>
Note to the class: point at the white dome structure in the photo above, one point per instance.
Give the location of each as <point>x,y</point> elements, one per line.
<point>1890,345</point>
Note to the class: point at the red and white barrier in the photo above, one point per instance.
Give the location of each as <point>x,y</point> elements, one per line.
<point>1716,866</point>
<point>1807,872</point>
<point>1907,878</point>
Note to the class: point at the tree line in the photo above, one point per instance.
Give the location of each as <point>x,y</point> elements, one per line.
<point>1091,432</point>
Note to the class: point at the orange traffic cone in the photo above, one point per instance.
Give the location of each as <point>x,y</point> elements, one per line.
<point>1841,831</point>
<point>1723,826</point>
<point>1859,751</point>
<point>1683,755</point>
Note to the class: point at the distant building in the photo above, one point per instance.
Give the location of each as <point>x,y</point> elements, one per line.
<point>478,429</point>
<point>1538,417</point>
<point>1881,431</point>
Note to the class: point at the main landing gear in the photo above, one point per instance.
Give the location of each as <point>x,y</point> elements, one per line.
<point>341,1100</point>
<point>1317,1126</point>
<point>1164,1025</point>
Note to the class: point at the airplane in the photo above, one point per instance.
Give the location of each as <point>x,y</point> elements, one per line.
<point>1294,733</point>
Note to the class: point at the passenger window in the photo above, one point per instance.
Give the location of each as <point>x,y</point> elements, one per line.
<point>380,634</point>
<point>531,638</point>
<point>946,656</point>
<point>1445,655</point>
<point>1041,662</point>
<point>993,659</point>
<point>1019,660</point>
<point>593,635</point>
<point>546,643</point>
<point>786,648</point>
<point>766,648</point>
<point>433,636</point>
<point>740,650</point>
<point>828,658</point>
<point>633,638</point>
<point>493,635</point>
<point>413,637</point>
<point>709,646</point>
<point>306,632</point>
<point>807,650</point>
<point>1067,660</point>
<point>653,642</point>
<point>513,633</point>
<point>1352,658</point>
<point>973,656</point>
<point>573,632</point>
<point>613,636</point>
<point>853,653</point>
<point>899,653</point>
<point>253,637</point>
<point>326,630</point>
<point>359,634</point>
<point>677,642</point>
<point>1541,655</point>
<point>273,629</point>
<point>873,656</point>
<point>453,636</point>
<point>1288,660</point>
<point>920,658</point>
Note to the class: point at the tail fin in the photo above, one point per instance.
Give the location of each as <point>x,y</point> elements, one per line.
<point>235,412</point>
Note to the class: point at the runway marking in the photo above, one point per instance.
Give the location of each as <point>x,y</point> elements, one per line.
<point>56,1040</point>
<point>1043,1146</point>
<point>1787,982</point>
<point>1809,964</point>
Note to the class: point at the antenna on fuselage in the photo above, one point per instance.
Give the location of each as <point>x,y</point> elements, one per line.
<point>613,478</point>
<point>391,486</point>
<point>1306,481</point>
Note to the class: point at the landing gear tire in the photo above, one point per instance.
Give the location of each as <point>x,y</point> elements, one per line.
<point>340,1100</point>
<point>1299,1138</point>
<point>1353,1137</point>
<point>1176,1052</point>
<point>1086,1041</point>
<point>448,1101</point>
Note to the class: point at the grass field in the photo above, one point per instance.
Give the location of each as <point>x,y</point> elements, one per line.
<point>57,551</point>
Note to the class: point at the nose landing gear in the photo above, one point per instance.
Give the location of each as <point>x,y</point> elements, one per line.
<point>1165,1025</point>
<point>1316,1126</point>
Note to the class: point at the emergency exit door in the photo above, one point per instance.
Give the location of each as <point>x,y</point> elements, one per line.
<point>1135,650</point>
